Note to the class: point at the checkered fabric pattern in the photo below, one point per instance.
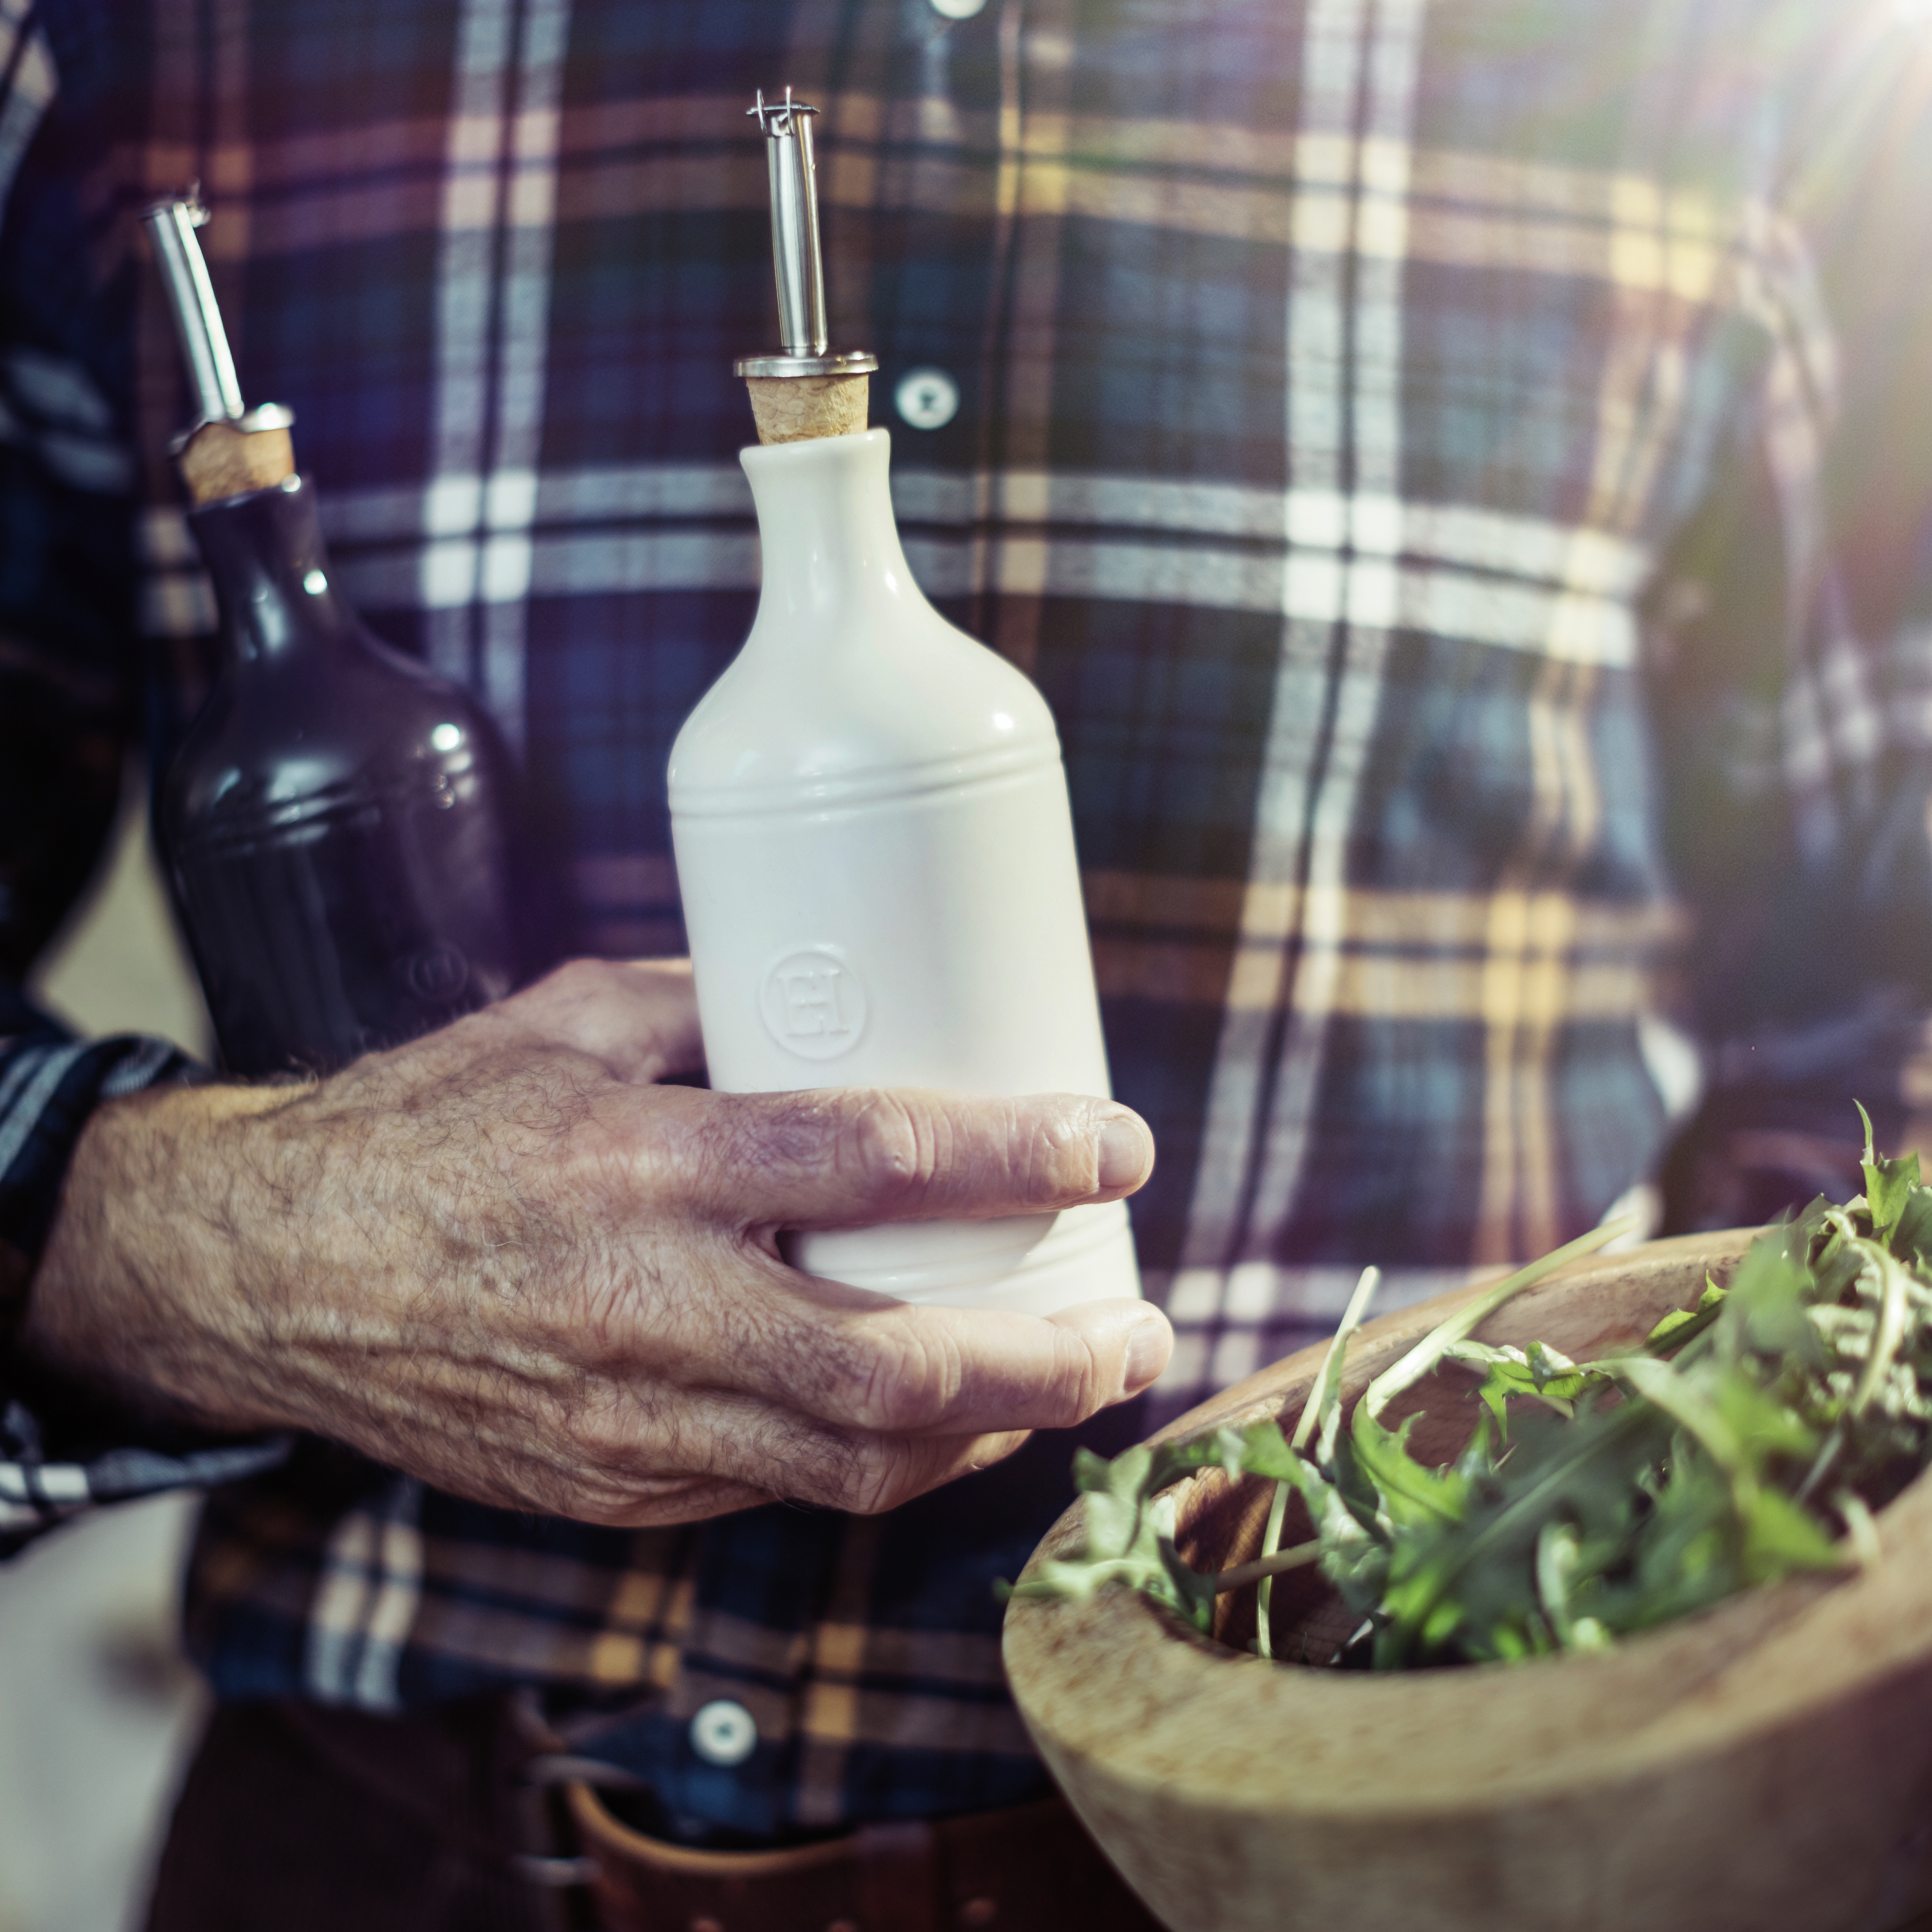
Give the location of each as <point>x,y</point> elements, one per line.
<point>1456,468</point>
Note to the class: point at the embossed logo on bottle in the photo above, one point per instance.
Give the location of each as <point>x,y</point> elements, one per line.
<point>814,1004</point>
<point>437,973</point>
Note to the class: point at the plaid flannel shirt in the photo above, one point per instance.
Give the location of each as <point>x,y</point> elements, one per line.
<point>1454,467</point>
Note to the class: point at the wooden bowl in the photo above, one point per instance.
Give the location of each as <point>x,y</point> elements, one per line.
<point>1763,1766</point>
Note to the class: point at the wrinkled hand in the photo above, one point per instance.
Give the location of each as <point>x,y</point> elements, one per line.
<point>504,1259</point>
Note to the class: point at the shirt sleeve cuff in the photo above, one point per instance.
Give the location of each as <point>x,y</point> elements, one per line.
<point>60,1456</point>
<point>49,1087</point>
<point>37,1491</point>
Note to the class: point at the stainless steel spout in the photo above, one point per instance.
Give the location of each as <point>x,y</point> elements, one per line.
<point>171,227</point>
<point>797,264</point>
<point>197,320</point>
<point>798,267</point>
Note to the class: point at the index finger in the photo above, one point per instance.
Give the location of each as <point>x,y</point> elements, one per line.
<point>854,1156</point>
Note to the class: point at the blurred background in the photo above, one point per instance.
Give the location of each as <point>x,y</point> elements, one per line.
<point>97,1708</point>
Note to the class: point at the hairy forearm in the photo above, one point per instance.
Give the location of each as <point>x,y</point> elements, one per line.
<point>328,1257</point>
<point>136,1292</point>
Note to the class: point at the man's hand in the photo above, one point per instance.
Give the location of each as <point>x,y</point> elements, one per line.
<point>503,1259</point>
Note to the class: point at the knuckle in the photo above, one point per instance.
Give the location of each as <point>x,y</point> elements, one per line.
<point>563,997</point>
<point>879,1476</point>
<point>559,989</point>
<point>1060,1163</point>
<point>617,1430</point>
<point>892,1148</point>
<point>581,977</point>
<point>907,1380</point>
<point>802,1462</point>
<point>878,1152</point>
<point>1081,1385</point>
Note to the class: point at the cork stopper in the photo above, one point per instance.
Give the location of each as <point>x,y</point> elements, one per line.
<point>797,409</point>
<point>222,460</point>
<point>807,389</point>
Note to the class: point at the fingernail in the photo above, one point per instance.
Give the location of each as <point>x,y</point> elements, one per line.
<point>1148,1347</point>
<point>1124,1153</point>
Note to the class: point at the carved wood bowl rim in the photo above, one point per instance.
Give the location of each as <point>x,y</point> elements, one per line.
<point>1128,1705</point>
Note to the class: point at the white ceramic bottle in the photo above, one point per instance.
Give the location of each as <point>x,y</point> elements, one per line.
<point>875,853</point>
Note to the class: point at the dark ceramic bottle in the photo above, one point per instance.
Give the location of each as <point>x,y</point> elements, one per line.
<point>336,822</point>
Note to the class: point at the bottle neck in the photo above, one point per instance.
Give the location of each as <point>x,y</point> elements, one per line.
<point>830,542</point>
<point>265,553</point>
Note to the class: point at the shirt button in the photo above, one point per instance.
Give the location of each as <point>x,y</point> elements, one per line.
<point>959,10</point>
<point>926,398</point>
<point>724,1733</point>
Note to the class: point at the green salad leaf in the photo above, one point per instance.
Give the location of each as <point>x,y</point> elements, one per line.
<point>1747,1439</point>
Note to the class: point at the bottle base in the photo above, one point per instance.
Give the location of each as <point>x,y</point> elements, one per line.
<point>1030,1264</point>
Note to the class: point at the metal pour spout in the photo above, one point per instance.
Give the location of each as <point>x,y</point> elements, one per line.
<point>798,267</point>
<point>204,342</point>
<point>798,264</point>
<point>197,320</point>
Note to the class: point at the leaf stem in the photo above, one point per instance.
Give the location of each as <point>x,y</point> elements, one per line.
<point>1264,1596</point>
<point>1318,1407</point>
<point>1315,1406</point>
<point>1894,1318</point>
<point>1861,1530</point>
<point>1243,1574</point>
<point>1834,1444</point>
<point>1421,1359</point>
